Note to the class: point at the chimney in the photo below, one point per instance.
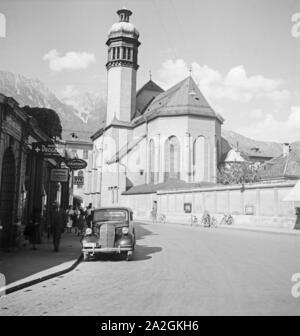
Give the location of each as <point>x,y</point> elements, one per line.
<point>286,148</point>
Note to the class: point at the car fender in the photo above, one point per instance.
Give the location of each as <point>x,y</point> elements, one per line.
<point>126,240</point>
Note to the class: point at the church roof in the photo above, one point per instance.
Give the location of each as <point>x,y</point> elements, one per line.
<point>145,96</point>
<point>182,98</point>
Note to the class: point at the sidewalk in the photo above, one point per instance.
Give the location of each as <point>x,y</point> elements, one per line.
<point>26,267</point>
<point>234,227</point>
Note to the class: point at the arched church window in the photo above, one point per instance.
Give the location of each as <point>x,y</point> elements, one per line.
<point>151,160</point>
<point>118,52</point>
<point>129,54</point>
<point>199,158</point>
<point>114,53</point>
<point>172,158</point>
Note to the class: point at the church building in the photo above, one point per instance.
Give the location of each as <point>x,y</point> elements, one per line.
<point>150,136</point>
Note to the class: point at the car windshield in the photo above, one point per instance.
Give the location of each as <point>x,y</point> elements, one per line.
<point>110,215</point>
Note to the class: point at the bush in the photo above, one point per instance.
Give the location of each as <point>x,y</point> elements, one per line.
<point>238,173</point>
<point>48,120</point>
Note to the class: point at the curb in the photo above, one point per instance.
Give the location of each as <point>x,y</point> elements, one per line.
<point>43,278</point>
<point>290,233</point>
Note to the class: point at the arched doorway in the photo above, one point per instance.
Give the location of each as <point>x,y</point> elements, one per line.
<point>7,193</point>
<point>172,158</point>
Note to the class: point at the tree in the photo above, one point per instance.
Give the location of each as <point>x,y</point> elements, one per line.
<point>48,120</point>
<point>238,173</point>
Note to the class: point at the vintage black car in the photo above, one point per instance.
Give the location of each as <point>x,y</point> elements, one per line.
<point>112,231</point>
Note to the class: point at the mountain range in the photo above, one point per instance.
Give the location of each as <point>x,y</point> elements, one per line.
<point>84,113</point>
<point>81,115</point>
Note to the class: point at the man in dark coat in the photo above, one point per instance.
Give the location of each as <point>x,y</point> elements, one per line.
<point>57,223</point>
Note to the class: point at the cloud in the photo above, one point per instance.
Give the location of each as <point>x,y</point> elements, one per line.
<point>271,129</point>
<point>236,85</point>
<point>253,105</point>
<point>72,60</point>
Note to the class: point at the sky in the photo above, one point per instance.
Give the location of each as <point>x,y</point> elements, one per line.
<point>243,54</point>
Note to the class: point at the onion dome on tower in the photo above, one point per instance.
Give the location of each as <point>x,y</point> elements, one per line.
<point>123,42</point>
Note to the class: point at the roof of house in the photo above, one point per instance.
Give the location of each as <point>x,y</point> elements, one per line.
<point>282,166</point>
<point>171,184</point>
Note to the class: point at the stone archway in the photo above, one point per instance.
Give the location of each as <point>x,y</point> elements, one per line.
<point>7,195</point>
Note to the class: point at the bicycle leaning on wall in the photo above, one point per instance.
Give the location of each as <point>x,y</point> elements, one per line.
<point>209,221</point>
<point>162,218</point>
<point>227,220</point>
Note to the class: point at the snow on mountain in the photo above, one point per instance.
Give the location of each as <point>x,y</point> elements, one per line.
<point>89,106</point>
<point>74,118</point>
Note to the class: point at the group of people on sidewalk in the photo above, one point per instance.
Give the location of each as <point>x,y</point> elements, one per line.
<point>78,218</point>
<point>59,221</point>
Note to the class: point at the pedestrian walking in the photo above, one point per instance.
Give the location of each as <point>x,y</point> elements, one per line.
<point>70,218</point>
<point>76,220</point>
<point>154,212</point>
<point>32,230</point>
<point>57,223</point>
<point>88,215</point>
<point>81,222</point>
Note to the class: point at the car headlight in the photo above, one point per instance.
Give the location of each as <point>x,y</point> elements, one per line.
<point>88,231</point>
<point>125,230</point>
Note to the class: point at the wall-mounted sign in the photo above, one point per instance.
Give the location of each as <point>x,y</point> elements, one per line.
<point>76,164</point>
<point>59,175</point>
<point>45,149</point>
<point>78,180</point>
<point>249,209</point>
<point>187,207</point>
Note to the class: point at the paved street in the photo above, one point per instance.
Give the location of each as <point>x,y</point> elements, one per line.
<point>176,270</point>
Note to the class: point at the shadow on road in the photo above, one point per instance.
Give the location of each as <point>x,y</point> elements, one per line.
<point>143,252</point>
<point>142,230</point>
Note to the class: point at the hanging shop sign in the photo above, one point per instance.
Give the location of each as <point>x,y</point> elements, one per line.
<point>45,149</point>
<point>78,180</point>
<point>76,164</point>
<point>59,175</point>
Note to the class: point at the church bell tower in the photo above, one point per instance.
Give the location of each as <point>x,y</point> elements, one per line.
<point>121,68</point>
